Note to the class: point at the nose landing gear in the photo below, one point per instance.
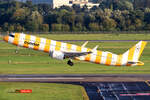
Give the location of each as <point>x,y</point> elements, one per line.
<point>70,62</point>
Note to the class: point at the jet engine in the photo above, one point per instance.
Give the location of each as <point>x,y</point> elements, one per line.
<point>57,55</point>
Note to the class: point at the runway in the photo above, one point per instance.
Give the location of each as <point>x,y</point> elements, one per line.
<point>97,86</point>
<point>75,78</point>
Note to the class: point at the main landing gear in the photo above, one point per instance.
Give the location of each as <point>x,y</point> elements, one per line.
<point>70,62</point>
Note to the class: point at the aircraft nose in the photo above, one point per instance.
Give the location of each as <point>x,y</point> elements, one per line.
<point>5,38</point>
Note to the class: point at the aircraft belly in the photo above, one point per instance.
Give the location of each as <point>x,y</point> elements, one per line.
<point>93,58</point>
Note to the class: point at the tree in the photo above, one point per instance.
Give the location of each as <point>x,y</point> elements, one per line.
<point>123,5</point>
<point>69,19</point>
<point>79,27</point>
<point>44,9</point>
<point>5,27</point>
<point>109,24</point>
<point>19,16</point>
<point>147,27</point>
<point>89,18</point>
<point>34,21</point>
<point>79,19</point>
<point>65,27</point>
<point>131,28</point>
<point>11,28</point>
<point>94,27</point>
<point>138,24</point>
<point>76,8</point>
<point>32,26</point>
<point>0,29</point>
<point>44,27</point>
<point>120,20</point>
<point>19,28</point>
<point>147,17</point>
<point>56,27</point>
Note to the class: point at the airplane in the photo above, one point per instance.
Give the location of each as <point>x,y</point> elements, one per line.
<point>60,50</point>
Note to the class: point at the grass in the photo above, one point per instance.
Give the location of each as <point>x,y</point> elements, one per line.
<point>41,91</point>
<point>28,61</point>
<point>97,36</point>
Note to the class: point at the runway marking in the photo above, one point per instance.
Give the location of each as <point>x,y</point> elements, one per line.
<point>46,78</point>
<point>147,82</point>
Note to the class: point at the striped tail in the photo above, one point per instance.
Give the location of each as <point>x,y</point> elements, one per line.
<point>133,54</point>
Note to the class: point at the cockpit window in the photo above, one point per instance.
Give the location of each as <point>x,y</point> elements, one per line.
<point>11,35</point>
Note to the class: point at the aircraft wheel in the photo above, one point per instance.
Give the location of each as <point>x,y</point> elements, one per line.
<point>70,63</point>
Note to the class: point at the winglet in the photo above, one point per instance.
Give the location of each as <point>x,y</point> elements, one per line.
<point>95,48</point>
<point>85,44</point>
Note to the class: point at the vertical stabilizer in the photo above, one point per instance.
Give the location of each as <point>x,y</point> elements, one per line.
<point>134,53</point>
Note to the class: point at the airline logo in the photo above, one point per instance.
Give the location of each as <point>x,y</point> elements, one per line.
<point>31,43</point>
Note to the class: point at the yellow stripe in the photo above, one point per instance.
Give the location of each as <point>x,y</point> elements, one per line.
<point>58,46</point>
<point>98,57</point>
<point>16,39</point>
<point>109,58</point>
<point>27,39</point>
<point>37,41</point>
<point>47,45</point>
<point>88,57</point>
<point>119,60</point>
<point>142,47</point>
<point>131,53</point>
<point>68,47</point>
<point>78,48</point>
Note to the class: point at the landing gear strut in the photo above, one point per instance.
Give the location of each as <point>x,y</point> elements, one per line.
<point>70,63</point>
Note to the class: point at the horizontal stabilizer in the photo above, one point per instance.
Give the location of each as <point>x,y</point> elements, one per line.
<point>95,48</point>
<point>84,44</point>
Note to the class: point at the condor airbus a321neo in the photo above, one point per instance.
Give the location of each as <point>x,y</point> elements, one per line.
<point>61,50</point>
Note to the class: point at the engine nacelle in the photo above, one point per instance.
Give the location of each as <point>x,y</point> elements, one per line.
<point>57,55</point>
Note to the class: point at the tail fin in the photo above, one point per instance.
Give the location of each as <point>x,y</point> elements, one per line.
<point>134,53</point>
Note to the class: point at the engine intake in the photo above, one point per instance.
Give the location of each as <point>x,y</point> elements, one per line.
<point>57,55</point>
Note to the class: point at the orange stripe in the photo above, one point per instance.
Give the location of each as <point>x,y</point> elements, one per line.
<point>87,58</point>
<point>27,39</point>
<point>6,38</point>
<point>69,47</point>
<point>109,58</point>
<point>131,53</point>
<point>119,60</point>
<point>98,57</point>
<point>58,46</point>
<point>37,42</point>
<point>47,45</point>
<point>78,48</point>
<point>16,39</point>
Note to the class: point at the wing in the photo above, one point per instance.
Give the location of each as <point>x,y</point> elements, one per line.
<point>75,54</point>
